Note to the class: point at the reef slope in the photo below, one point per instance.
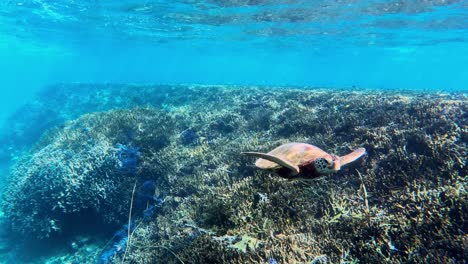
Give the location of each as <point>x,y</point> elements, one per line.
<point>404,202</point>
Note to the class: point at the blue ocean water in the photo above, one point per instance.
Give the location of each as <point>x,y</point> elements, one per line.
<point>374,44</point>
<point>388,45</point>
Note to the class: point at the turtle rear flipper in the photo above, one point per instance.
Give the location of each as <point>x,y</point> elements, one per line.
<point>280,161</point>
<point>356,154</point>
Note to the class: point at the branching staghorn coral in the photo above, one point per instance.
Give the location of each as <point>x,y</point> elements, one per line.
<point>403,203</point>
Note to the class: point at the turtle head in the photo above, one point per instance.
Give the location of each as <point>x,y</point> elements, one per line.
<point>327,165</point>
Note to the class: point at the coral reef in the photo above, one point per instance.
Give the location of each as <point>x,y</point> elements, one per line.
<point>82,170</point>
<point>199,201</point>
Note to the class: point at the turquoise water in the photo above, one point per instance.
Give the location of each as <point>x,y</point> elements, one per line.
<point>60,60</point>
<point>374,44</point>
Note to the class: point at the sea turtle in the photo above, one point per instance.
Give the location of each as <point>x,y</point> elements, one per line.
<point>301,160</point>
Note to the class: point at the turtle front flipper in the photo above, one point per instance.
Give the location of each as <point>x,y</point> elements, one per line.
<point>356,154</point>
<point>280,161</point>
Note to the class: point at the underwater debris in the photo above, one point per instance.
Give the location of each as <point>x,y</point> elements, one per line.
<point>272,261</point>
<point>149,213</point>
<point>118,244</point>
<point>121,237</point>
<point>146,195</point>
<point>146,192</point>
<point>128,157</point>
<point>147,199</point>
<point>75,174</point>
